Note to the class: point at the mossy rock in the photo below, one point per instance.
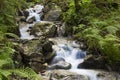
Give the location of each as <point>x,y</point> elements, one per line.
<point>43,29</point>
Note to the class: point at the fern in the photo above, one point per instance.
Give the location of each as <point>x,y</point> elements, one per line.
<point>27,72</point>
<point>12,35</point>
<point>23,73</point>
<point>111,29</point>
<point>3,62</point>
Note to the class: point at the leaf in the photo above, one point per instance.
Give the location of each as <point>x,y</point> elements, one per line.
<point>5,73</point>
<point>26,72</point>
<point>12,35</point>
<point>111,29</point>
<point>3,62</point>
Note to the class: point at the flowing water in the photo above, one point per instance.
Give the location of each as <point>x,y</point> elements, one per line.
<point>64,47</point>
<point>24,31</point>
<point>69,50</point>
<point>36,12</point>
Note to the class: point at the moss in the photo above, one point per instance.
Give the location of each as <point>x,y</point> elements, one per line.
<point>31,46</point>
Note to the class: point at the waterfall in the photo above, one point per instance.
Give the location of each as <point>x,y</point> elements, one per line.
<point>67,50</point>
<point>36,12</point>
<point>70,52</point>
<point>24,31</point>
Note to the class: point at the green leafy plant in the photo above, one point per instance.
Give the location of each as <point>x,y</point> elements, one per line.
<point>8,11</point>
<point>101,30</point>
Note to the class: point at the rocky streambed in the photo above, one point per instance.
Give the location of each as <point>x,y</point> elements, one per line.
<point>54,57</point>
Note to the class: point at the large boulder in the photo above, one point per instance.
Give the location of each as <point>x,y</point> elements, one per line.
<point>53,15</point>
<point>18,56</point>
<point>44,28</point>
<point>52,12</point>
<point>37,52</point>
<point>60,65</point>
<point>93,62</point>
<point>63,75</point>
<point>40,46</point>
<point>103,75</point>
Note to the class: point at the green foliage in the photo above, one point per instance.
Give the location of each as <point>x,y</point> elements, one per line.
<point>8,11</point>
<point>110,46</point>
<point>102,35</point>
<point>38,1</point>
<point>71,17</point>
<point>26,72</point>
<point>101,29</point>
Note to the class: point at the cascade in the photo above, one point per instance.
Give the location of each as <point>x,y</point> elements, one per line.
<point>70,52</point>
<point>24,31</point>
<point>65,48</point>
<point>36,12</point>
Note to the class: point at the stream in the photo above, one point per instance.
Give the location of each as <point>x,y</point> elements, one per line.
<point>65,47</point>
<point>69,50</point>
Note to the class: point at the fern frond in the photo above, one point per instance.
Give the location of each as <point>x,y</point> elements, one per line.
<point>3,62</point>
<point>111,38</point>
<point>12,35</point>
<point>27,72</point>
<point>111,29</point>
<point>6,52</point>
<point>5,73</point>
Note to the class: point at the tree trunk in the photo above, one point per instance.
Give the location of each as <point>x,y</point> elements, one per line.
<point>77,6</point>
<point>1,5</point>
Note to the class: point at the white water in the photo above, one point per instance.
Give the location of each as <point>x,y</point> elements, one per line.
<point>72,54</point>
<point>67,49</point>
<point>24,32</point>
<point>36,12</point>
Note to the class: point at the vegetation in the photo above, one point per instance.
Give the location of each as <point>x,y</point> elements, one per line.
<point>97,22</point>
<point>8,12</point>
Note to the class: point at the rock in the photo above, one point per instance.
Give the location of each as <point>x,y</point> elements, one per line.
<point>47,29</point>
<point>68,30</point>
<point>47,47</point>
<point>18,56</point>
<point>93,62</point>
<point>26,13</point>
<point>108,76</point>
<point>52,15</point>
<point>41,45</point>
<point>47,8</point>
<point>61,28</point>
<point>31,20</point>
<point>37,52</point>
<point>60,65</point>
<point>63,75</point>
<point>37,67</point>
<point>36,57</point>
<point>36,61</point>
<point>50,56</point>
<point>52,12</point>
